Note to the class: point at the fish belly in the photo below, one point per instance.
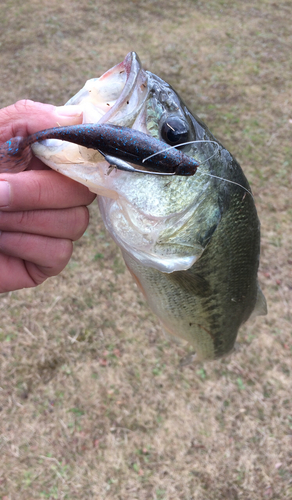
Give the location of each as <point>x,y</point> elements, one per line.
<point>181,314</point>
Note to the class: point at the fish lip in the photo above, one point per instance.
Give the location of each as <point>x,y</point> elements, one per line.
<point>136,76</point>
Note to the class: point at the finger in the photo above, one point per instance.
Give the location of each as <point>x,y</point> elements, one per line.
<point>26,117</point>
<point>14,274</point>
<point>17,273</point>
<point>50,255</point>
<point>44,189</point>
<point>68,223</point>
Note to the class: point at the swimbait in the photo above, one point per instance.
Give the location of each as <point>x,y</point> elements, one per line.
<point>113,141</point>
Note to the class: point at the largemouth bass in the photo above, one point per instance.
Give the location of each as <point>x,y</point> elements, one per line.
<point>192,244</point>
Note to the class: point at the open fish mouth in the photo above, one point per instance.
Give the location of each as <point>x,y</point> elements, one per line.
<point>117,96</point>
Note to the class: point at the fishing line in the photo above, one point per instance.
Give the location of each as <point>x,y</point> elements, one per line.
<point>184,144</point>
<point>207,159</point>
<point>227,180</point>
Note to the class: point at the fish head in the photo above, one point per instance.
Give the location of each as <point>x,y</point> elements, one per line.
<point>152,218</point>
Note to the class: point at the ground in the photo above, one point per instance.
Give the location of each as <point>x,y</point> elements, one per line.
<point>94,404</point>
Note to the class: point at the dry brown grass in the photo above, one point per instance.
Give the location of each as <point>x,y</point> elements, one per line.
<point>93,402</point>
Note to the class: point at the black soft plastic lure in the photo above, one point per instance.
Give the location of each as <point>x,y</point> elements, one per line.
<point>118,145</point>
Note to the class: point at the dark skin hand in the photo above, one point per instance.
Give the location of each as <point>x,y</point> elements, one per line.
<point>41,211</point>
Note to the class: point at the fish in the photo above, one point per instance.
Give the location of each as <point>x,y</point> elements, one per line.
<point>191,243</point>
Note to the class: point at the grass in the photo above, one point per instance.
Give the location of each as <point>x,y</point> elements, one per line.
<point>94,400</point>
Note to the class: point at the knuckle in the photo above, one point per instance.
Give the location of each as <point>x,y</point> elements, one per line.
<point>20,109</point>
<point>80,223</point>
<point>63,253</point>
<point>23,105</point>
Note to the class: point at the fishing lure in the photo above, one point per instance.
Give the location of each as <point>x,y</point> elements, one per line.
<point>118,145</point>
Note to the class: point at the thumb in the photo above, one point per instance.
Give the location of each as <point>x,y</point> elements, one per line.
<point>26,117</point>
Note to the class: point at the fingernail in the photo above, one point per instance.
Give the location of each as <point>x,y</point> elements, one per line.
<point>69,111</point>
<point>4,194</point>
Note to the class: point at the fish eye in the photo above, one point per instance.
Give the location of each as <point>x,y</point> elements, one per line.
<point>175,131</point>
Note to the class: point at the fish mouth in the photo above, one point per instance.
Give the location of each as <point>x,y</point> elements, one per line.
<point>116,97</point>
<point>133,95</point>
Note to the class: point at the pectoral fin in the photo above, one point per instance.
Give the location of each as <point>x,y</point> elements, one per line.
<point>261,308</point>
<point>192,283</point>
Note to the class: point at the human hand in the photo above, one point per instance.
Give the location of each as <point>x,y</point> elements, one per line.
<point>41,211</point>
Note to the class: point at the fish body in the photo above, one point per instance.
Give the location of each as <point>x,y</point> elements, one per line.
<point>192,243</point>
